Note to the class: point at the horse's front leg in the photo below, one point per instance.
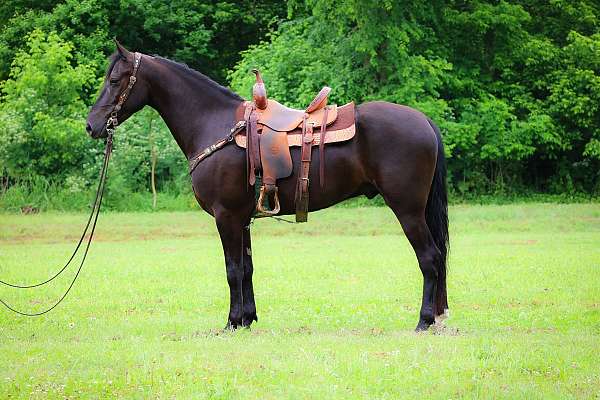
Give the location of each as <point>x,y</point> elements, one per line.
<point>247,288</point>
<point>231,229</point>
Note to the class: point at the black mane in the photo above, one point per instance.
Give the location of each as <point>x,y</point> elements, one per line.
<point>198,76</point>
<point>115,57</point>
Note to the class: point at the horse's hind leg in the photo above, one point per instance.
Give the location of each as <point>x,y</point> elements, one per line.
<point>400,150</point>
<point>410,211</point>
<point>427,253</point>
<point>405,191</point>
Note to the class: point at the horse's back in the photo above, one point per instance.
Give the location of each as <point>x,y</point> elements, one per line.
<point>388,125</point>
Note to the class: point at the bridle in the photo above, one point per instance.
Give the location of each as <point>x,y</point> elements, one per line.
<point>111,125</point>
<point>113,122</point>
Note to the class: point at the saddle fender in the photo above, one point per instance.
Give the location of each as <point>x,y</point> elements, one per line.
<point>275,155</point>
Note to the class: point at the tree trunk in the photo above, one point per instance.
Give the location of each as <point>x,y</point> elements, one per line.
<point>153,158</point>
<point>152,181</point>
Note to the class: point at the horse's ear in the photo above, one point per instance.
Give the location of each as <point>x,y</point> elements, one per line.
<point>122,50</point>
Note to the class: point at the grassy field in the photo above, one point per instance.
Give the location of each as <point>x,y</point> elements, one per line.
<point>337,303</point>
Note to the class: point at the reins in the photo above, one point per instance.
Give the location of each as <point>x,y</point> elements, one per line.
<point>111,125</point>
<point>94,215</point>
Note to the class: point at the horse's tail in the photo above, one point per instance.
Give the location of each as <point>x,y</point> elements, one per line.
<point>436,215</point>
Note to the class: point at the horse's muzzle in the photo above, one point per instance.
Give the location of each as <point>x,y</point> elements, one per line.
<point>96,134</point>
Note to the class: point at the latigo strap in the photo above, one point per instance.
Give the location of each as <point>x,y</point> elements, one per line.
<point>302,186</point>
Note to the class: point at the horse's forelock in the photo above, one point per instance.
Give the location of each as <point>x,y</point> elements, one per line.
<point>113,59</point>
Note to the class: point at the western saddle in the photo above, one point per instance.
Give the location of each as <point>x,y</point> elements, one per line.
<point>272,128</point>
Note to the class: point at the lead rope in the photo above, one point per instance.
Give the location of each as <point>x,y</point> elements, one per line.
<point>94,215</point>
<point>111,125</point>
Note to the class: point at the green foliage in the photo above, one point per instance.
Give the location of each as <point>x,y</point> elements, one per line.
<point>132,155</point>
<point>41,111</point>
<point>207,35</point>
<point>517,108</point>
<point>515,86</point>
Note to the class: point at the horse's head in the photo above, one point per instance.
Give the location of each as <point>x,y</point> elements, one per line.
<point>116,84</point>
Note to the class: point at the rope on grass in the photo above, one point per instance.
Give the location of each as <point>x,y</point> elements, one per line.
<point>93,215</point>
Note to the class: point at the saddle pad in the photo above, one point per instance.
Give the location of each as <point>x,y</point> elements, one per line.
<point>344,128</point>
<point>284,119</point>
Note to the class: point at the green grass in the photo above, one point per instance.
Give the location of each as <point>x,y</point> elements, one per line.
<point>337,302</point>
<point>58,196</point>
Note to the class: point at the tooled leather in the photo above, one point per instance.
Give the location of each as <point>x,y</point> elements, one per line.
<point>252,151</point>
<point>302,186</point>
<point>341,130</point>
<point>281,118</point>
<point>320,100</point>
<point>295,140</point>
<point>322,150</point>
<point>271,131</point>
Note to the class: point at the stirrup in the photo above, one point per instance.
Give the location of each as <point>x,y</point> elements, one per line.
<point>261,210</point>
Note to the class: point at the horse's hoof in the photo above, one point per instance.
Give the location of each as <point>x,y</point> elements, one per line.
<point>422,326</point>
<point>248,319</point>
<point>231,326</point>
<point>439,319</point>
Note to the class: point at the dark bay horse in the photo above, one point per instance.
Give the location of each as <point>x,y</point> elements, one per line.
<point>397,152</point>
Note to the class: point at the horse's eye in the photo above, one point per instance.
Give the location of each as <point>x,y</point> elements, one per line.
<point>114,81</point>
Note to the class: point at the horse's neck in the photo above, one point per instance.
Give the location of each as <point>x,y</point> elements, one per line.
<point>197,112</point>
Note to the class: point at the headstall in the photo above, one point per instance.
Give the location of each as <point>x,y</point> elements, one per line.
<point>113,122</point>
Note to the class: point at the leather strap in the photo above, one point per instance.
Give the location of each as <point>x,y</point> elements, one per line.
<point>219,144</point>
<point>132,79</point>
<point>322,149</point>
<point>302,186</point>
<point>113,120</point>
<point>252,150</point>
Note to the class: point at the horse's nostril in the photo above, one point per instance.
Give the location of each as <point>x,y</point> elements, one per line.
<point>88,128</point>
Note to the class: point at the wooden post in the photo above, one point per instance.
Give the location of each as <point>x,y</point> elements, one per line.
<point>153,159</point>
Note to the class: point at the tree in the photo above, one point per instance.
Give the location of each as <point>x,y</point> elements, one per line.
<point>517,101</point>
<point>208,35</point>
<point>41,110</point>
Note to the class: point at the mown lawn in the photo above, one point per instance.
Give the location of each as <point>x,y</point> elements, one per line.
<point>337,303</point>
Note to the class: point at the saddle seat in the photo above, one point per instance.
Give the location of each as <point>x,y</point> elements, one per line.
<point>272,128</point>
<point>284,119</point>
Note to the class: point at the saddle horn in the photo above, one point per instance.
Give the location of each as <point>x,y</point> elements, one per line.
<point>259,92</point>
